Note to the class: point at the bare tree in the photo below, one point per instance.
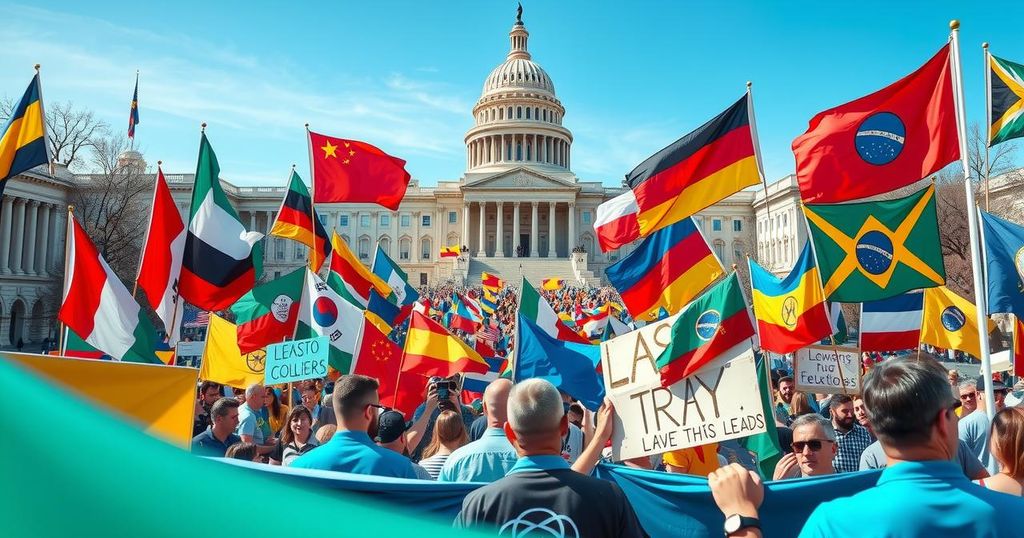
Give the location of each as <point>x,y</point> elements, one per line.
<point>69,129</point>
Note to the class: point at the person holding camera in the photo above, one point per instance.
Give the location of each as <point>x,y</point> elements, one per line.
<point>442,395</point>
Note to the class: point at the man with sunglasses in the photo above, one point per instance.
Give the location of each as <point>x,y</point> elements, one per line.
<point>974,428</point>
<point>968,393</point>
<point>352,450</point>
<point>814,447</point>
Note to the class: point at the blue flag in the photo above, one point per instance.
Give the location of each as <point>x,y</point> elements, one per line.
<point>401,292</point>
<point>383,308</point>
<point>1004,262</point>
<point>570,366</point>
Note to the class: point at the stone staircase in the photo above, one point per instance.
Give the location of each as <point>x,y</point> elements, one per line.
<point>534,269</point>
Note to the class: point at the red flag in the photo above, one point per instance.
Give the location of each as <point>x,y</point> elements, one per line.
<point>1018,348</point>
<point>380,358</point>
<point>353,171</point>
<point>161,259</point>
<point>882,141</point>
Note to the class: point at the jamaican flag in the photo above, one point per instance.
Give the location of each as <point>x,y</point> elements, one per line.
<point>1006,100</point>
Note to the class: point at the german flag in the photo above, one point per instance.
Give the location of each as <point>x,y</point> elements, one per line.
<point>432,350</point>
<point>451,252</point>
<point>699,169</point>
<point>23,144</point>
<point>790,312</point>
<point>295,221</point>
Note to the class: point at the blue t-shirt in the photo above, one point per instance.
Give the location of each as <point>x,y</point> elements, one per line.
<point>354,452</point>
<point>484,460</point>
<point>207,444</point>
<point>919,498</point>
<point>973,430</point>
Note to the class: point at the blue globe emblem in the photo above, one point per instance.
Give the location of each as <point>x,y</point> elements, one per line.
<point>952,318</point>
<point>880,138</point>
<point>707,324</point>
<point>1018,262</point>
<point>874,252</point>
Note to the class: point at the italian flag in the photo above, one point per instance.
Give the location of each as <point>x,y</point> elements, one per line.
<point>98,307</point>
<point>537,310</point>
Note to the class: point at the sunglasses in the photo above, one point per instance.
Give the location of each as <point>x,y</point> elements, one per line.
<point>969,396</point>
<point>813,444</point>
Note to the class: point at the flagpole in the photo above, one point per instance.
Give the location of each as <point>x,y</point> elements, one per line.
<point>42,110</point>
<point>757,153</point>
<point>988,114</point>
<point>68,234</point>
<point>972,220</point>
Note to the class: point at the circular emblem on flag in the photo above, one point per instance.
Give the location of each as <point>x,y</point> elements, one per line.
<point>789,307</point>
<point>256,360</point>
<point>707,324</point>
<point>325,312</point>
<point>280,307</point>
<point>1018,262</point>
<point>874,252</point>
<point>880,138</point>
<point>953,318</point>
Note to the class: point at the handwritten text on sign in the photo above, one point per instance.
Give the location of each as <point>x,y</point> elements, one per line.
<point>821,369</point>
<point>297,360</point>
<point>718,403</point>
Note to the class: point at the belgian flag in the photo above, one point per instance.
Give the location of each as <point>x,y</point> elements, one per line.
<point>295,221</point>
<point>23,144</point>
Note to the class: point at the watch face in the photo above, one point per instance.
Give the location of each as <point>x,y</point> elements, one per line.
<point>732,523</point>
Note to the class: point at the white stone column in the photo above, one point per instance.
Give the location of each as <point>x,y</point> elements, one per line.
<point>534,252</point>
<point>482,247</point>
<point>552,232</point>
<point>464,239</point>
<point>32,221</point>
<point>44,239</point>
<point>501,148</point>
<point>515,227</point>
<point>269,248</point>
<point>55,247</point>
<point>499,237</point>
<point>18,236</point>
<point>5,234</point>
<point>573,241</point>
<point>252,221</point>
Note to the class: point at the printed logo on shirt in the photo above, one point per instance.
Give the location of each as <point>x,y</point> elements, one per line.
<point>540,522</point>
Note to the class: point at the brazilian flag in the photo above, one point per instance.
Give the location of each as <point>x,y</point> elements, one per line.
<point>1006,100</point>
<point>875,250</point>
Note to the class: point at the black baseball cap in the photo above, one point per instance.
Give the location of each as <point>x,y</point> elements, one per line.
<point>996,385</point>
<point>390,424</point>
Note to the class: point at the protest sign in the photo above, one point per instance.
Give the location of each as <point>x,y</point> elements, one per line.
<point>188,353</point>
<point>296,360</point>
<point>827,370</point>
<point>719,402</point>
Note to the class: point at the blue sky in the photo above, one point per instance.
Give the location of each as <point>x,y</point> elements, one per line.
<point>633,76</point>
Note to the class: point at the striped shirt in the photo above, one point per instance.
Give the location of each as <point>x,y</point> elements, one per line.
<point>851,444</point>
<point>434,463</point>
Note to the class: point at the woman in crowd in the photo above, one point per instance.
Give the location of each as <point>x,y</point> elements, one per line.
<point>1007,446</point>
<point>798,406</point>
<point>449,435</point>
<point>243,451</point>
<point>277,412</point>
<point>296,439</point>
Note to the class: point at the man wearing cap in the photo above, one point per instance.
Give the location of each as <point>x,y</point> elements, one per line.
<point>391,435</point>
<point>974,428</point>
<point>490,457</point>
<point>352,450</point>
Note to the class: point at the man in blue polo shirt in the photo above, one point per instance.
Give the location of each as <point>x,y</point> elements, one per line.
<point>492,455</point>
<point>351,450</point>
<point>922,491</point>
<point>218,436</point>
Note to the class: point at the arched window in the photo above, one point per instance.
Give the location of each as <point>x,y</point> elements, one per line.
<point>528,154</point>
<point>404,246</point>
<point>509,112</point>
<point>719,247</point>
<point>545,113</point>
<point>527,112</point>
<point>519,151</point>
<point>425,250</point>
<point>536,113</point>
<point>385,245</point>
<point>364,248</point>
<point>519,112</point>
<point>501,113</point>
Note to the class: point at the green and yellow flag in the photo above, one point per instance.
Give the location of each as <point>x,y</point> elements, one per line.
<point>868,251</point>
<point>1006,100</point>
<point>23,142</point>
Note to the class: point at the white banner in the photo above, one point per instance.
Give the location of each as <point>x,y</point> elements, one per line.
<point>719,402</point>
<point>827,370</point>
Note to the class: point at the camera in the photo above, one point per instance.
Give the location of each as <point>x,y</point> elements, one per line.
<point>444,387</point>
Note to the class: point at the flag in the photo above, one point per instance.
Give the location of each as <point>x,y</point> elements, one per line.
<point>791,311</point>
<point>671,267</point>
<point>593,325</point>
<point>882,141</point>
<point>537,310</point>
<point>891,324</point>
<point>97,306</point>
<point>1006,100</point>
<point>323,311</point>
<point>491,286</point>
<point>707,327</point>
<point>451,251</point>
<point>75,346</point>
<point>219,264</point>
<point>431,350</point>
<point>402,293</point>
<point>950,321</point>
<point>161,260</point>
<point>491,282</point>
<point>615,223</point>
<point>765,445</point>
<point>267,313</point>
<point>1018,347</point>
<point>552,284</point>
<point>463,316</point>
<point>840,333</point>
<point>296,220</point>
<point>873,250</point>
<point>701,168</point>
<point>348,274</point>
<point>617,327</point>
<point>382,313</point>
<point>353,172</point>
<point>489,302</point>
<point>133,115</point>
<point>224,363</point>
<point>380,358</point>
<point>570,366</point>
<point>473,382</point>
<point>23,143</point>
<point>1003,242</point>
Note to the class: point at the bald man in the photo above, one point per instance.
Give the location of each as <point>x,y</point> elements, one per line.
<point>492,455</point>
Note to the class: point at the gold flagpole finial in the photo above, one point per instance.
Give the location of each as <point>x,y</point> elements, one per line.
<point>202,127</point>
<point>749,84</point>
<point>985,45</point>
<point>954,24</point>
<point>37,67</point>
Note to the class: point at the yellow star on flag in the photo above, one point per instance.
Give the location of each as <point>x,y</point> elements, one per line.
<point>329,150</point>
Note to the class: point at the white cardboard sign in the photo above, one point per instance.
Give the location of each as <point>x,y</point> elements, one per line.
<point>827,370</point>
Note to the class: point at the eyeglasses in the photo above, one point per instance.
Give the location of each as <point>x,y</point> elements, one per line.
<point>969,396</point>
<point>813,444</point>
<point>379,406</point>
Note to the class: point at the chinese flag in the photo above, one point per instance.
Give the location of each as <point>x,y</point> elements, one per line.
<point>882,141</point>
<point>353,171</point>
<point>380,358</point>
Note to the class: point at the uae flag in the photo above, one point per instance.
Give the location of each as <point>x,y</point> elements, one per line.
<point>161,260</point>
<point>98,307</point>
<point>219,265</point>
<point>267,313</point>
<point>297,221</point>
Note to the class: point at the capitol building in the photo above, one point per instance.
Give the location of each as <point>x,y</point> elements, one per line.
<point>518,207</point>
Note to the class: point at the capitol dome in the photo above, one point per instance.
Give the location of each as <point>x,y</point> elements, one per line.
<point>518,72</point>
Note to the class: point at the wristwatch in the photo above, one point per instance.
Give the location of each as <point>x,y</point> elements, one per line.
<point>736,522</point>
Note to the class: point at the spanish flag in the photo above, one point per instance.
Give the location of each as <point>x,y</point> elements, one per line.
<point>950,321</point>
<point>451,252</point>
<point>23,144</point>
<point>431,350</point>
<point>552,284</point>
<point>791,311</point>
<point>296,220</point>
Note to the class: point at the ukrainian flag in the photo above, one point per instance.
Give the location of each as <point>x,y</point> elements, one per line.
<point>23,145</point>
<point>790,312</point>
